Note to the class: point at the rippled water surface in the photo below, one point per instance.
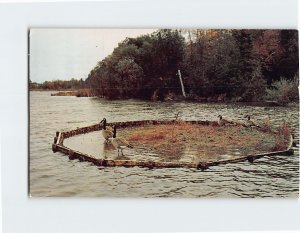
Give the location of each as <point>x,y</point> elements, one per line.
<point>53,174</point>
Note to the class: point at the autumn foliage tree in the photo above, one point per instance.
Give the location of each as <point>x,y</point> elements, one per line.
<point>234,64</point>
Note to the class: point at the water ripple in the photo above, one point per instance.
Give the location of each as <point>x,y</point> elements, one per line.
<point>53,174</point>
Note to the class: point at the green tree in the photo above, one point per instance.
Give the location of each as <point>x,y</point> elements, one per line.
<point>130,75</point>
<point>288,65</point>
<point>252,84</point>
<point>138,66</point>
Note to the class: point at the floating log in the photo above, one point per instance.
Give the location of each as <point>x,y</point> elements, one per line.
<point>58,146</point>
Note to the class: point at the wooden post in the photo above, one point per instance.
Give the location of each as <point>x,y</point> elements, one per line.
<point>58,139</point>
<point>182,87</point>
<point>54,148</point>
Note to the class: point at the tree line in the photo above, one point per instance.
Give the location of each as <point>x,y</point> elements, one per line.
<point>239,65</point>
<point>72,84</point>
<point>234,64</point>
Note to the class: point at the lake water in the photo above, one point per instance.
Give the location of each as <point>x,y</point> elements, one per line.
<point>53,174</point>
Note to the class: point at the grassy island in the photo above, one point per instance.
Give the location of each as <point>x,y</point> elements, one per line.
<point>191,144</point>
<point>205,142</point>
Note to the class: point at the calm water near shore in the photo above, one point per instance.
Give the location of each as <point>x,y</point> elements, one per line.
<point>53,174</point>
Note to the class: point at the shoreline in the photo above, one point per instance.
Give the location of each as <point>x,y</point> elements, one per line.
<point>69,92</point>
<point>87,93</point>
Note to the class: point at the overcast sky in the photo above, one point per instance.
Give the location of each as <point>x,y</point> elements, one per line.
<point>72,53</point>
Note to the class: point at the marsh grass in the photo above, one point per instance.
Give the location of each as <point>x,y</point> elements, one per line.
<point>266,125</point>
<point>284,91</point>
<point>173,139</point>
<point>78,93</point>
<point>282,137</point>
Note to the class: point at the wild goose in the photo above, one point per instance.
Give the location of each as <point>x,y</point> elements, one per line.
<point>223,121</point>
<point>107,131</point>
<point>250,123</point>
<point>119,143</point>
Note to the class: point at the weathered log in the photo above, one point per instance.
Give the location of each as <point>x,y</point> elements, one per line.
<point>202,166</point>
<point>154,164</point>
<point>250,159</point>
<point>54,148</point>
<point>58,146</point>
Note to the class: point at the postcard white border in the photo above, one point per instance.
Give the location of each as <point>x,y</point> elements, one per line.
<point>22,214</point>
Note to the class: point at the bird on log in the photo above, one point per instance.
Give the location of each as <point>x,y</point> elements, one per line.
<point>107,131</point>
<point>119,142</point>
<point>250,123</point>
<point>223,122</point>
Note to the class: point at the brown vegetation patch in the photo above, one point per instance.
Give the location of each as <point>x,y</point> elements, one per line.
<point>282,137</point>
<point>77,93</point>
<point>208,142</point>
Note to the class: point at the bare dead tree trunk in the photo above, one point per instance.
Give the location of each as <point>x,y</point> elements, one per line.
<point>181,82</point>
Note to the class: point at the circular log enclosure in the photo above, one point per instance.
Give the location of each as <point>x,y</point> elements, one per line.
<point>73,154</point>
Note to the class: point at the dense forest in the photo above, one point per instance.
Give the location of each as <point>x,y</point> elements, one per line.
<point>215,65</point>
<point>239,65</point>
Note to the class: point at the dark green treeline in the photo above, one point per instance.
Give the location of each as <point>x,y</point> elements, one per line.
<point>236,64</point>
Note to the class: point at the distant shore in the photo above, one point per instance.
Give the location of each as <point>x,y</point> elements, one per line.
<point>77,93</point>
<point>88,93</point>
<point>68,92</point>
